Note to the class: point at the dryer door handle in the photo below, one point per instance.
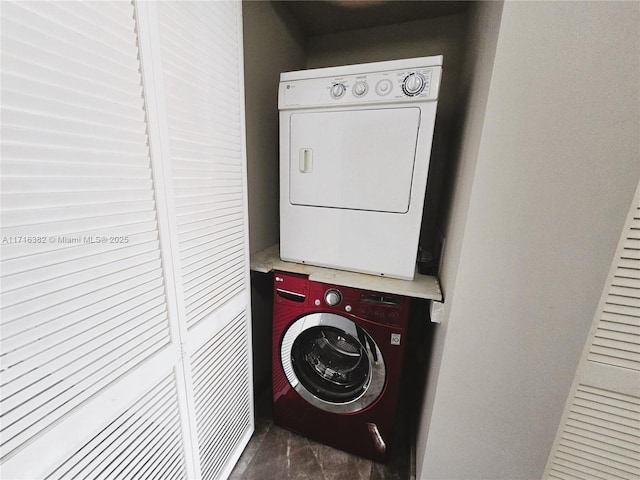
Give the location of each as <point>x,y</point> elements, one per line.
<point>306,160</point>
<point>289,295</point>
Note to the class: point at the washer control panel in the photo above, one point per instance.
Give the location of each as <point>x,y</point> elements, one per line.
<point>375,307</point>
<point>397,86</point>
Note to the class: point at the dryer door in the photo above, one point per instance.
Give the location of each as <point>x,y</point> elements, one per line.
<point>353,159</point>
<point>332,363</point>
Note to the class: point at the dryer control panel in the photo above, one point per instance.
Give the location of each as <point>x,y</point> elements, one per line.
<point>336,87</point>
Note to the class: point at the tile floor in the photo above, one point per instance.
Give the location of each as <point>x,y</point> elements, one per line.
<point>276,453</point>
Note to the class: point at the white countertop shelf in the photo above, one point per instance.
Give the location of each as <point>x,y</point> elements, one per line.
<point>422,286</point>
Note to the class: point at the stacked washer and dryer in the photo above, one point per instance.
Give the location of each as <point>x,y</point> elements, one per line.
<point>355,145</point>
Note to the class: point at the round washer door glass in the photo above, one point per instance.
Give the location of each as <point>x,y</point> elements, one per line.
<point>332,363</point>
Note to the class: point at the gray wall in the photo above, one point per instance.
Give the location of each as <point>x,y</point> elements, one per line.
<point>466,134</point>
<point>272,44</point>
<point>544,183</point>
<point>419,38</point>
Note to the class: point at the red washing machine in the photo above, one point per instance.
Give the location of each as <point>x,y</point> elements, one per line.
<point>337,362</point>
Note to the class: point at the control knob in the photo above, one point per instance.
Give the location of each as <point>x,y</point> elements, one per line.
<point>338,90</point>
<point>333,297</point>
<point>360,89</point>
<point>413,84</point>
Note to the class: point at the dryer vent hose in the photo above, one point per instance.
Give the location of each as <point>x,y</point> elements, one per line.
<point>380,446</point>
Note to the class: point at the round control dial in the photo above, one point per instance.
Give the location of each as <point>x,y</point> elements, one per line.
<point>338,90</point>
<point>413,84</point>
<point>333,297</point>
<point>384,87</point>
<point>360,89</point>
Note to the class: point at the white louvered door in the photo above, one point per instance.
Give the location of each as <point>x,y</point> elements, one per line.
<point>86,330</point>
<point>599,435</point>
<point>195,50</point>
<point>125,339</point>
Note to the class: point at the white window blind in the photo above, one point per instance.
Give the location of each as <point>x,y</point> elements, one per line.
<point>599,435</point>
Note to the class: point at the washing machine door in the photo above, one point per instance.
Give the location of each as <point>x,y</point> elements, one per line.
<point>332,363</point>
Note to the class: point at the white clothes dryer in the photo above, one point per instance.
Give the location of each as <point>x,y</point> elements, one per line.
<point>355,144</point>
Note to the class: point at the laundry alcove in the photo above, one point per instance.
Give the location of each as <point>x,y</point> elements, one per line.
<point>532,206</point>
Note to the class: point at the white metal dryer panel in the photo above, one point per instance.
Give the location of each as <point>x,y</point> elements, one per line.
<point>357,160</point>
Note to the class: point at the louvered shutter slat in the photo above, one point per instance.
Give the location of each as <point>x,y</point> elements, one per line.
<point>18,332</point>
<point>76,211</point>
<point>617,339</point>
<point>621,318</point>
<point>21,68</point>
<point>24,119</point>
<point>75,265</point>
<point>46,153</point>
<point>65,199</point>
<point>582,436</point>
<point>630,341</point>
<point>41,58</point>
<point>207,256</point>
<point>190,126</point>
<point>186,120</point>
<point>67,397</point>
<point>53,38</point>
<point>88,25</point>
<point>602,432</point>
<point>45,169</point>
<point>79,292</point>
<point>56,108</point>
<point>195,239</point>
<point>124,445</point>
<point>62,369</point>
<point>55,256</point>
<point>221,425</point>
<point>628,273</point>
<point>74,31</point>
<point>59,287</point>
<point>628,312</point>
<point>83,229</point>
<point>216,28</point>
<point>55,341</point>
